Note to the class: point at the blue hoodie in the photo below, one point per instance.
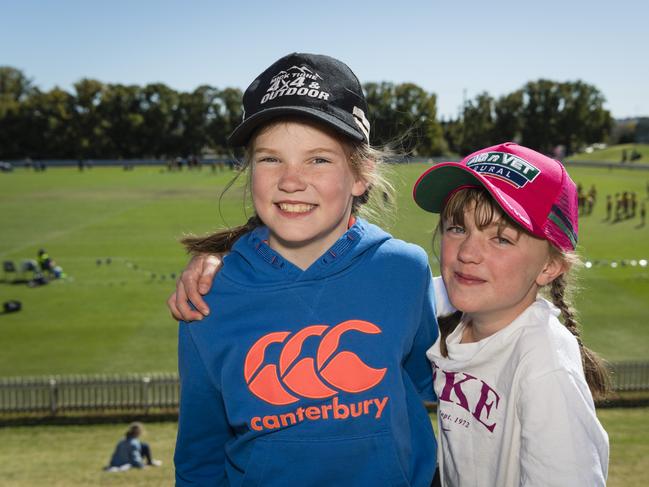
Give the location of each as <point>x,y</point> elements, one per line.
<point>311,377</point>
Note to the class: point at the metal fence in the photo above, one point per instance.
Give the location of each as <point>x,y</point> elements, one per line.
<point>143,392</point>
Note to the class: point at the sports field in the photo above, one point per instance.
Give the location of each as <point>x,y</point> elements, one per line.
<point>111,317</point>
<point>72,456</point>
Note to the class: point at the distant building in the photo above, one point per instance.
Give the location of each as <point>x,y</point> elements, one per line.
<point>642,131</point>
<point>631,130</point>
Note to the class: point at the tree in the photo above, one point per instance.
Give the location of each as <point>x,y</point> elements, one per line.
<point>112,120</point>
<point>49,131</point>
<point>478,118</point>
<point>569,114</point>
<point>123,121</point>
<point>161,129</point>
<point>452,132</point>
<point>91,140</point>
<point>226,114</point>
<point>15,88</point>
<point>582,119</point>
<point>415,114</point>
<point>508,123</point>
<point>196,109</point>
<point>623,132</point>
<point>381,106</point>
<point>404,114</point>
<point>542,102</point>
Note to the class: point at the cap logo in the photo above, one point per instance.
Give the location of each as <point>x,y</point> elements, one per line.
<point>296,80</point>
<point>508,167</point>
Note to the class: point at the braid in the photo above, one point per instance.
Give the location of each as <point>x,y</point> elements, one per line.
<point>221,241</point>
<point>595,370</point>
<point>558,292</point>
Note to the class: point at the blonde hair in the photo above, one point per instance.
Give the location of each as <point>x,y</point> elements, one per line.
<point>366,162</point>
<point>559,291</point>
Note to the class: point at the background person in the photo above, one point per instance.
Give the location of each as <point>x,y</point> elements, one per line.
<point>44,261</point>
<point>131,452</point>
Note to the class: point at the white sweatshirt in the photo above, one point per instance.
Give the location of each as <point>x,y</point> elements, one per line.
<point>515,410</point>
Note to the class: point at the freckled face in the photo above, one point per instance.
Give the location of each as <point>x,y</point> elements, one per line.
<point>302,188</point>
<point>491,275</point>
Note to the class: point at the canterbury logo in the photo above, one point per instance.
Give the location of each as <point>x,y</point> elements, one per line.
<point>325,376</point>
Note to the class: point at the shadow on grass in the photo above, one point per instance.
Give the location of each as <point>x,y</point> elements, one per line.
<point>97,417</point>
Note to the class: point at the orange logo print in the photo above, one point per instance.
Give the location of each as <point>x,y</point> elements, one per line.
<point>288,381</point>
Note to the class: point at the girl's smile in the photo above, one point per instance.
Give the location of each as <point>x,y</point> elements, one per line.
<point>295,208</point>
<point>468,279</point>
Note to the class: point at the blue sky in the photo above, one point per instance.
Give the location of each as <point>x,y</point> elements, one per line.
<point>453,49</point>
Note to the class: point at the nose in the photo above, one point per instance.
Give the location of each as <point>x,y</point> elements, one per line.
<point>470,250</point>
<point>292,178</point>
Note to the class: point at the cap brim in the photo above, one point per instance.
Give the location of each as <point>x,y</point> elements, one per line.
<point>242,133</point>
<point>434,186</point>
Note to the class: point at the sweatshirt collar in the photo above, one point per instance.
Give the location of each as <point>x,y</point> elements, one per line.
<point>338,251</point>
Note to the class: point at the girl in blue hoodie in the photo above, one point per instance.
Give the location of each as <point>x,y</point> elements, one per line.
<point>313,371</point>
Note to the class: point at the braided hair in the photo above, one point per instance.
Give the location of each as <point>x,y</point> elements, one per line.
<point>595,370</point>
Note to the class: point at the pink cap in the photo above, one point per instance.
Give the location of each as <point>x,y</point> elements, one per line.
<point>533,189</point>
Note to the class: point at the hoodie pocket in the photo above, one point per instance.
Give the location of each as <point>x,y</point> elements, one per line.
<point>367,460</point>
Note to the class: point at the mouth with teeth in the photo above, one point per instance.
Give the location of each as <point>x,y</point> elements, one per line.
<point>295,208</point>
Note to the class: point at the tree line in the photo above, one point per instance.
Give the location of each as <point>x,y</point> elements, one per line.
<point>103,120</point>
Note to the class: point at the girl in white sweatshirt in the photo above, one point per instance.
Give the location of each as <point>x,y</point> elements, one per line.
<point>515,385</point>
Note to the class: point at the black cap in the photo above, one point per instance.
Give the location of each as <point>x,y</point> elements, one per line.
<point>315,86</point>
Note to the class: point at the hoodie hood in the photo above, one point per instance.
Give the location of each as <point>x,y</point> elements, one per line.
<point>252,261</point>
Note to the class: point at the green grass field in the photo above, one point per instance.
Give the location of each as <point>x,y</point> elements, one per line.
<point>110,318</point>
<point>614,154</point>
<point>72,456</point>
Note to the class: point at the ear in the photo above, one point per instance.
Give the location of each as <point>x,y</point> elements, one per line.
<point>360,185</point>
<point>552,269</point>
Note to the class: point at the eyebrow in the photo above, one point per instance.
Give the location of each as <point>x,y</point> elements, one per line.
<point>508,227</point>
<point>498,224</point>
<point>264,149</point>
<point>317,150</point>
<point>322,149</point>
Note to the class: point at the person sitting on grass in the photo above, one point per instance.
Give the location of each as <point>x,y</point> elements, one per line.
<point>131,452</point>
<point>47,265</point>
<point>44,261</point>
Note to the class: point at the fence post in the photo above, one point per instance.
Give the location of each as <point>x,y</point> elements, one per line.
<point>146,380</point>
<point>54,392</point>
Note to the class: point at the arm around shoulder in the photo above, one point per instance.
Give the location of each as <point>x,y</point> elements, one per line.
<point>443,306</point>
